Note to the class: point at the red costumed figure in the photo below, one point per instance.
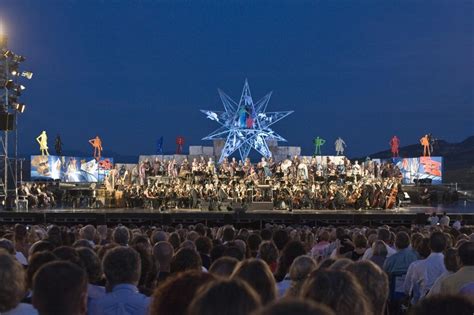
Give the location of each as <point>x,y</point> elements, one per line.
<point>394,144</point>
<point>179,144</point>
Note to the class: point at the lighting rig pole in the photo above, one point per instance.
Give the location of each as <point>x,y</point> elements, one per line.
<point>10,107</point>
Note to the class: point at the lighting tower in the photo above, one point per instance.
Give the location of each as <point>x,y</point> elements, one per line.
<point>10,107</point>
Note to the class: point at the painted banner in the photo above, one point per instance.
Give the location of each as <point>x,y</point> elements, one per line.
<point>424,167</point>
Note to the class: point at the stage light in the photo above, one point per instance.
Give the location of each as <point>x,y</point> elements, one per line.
<point>27,74</point>
<point>14,73</point>
<point>9,84</point>
<point>7,53</point>
<point>19,58</point>
<point>22,87</point>
<point>19,107</point>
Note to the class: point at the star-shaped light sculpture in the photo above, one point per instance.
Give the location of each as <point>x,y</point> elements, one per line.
<point>245,124</point>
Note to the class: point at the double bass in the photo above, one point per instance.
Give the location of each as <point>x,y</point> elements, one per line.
<point>392,197</point>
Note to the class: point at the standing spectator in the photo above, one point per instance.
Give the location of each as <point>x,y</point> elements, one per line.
<point>122,268</point>
<point>60,287</point>
<point>433,219</point>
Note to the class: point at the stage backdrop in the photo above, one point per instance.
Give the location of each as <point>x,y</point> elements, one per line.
<point>421,168</point>
<point>70,169</point>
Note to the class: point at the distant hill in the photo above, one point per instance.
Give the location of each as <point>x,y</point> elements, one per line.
<point>458,159</point>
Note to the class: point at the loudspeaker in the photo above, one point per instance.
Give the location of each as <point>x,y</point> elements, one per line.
<point>7,121</point>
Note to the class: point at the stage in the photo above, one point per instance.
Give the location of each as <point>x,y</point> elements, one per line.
<point>256,218</point>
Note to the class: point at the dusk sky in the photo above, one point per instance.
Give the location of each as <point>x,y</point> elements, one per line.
<point>131,71</point>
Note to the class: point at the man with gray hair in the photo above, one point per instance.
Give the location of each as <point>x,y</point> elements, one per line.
<point>88,233</point>
<point>122,269</point>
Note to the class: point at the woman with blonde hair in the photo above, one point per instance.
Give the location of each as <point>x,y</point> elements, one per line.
<point>299,271</point>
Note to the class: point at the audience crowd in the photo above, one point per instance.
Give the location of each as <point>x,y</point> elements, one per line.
<point>201,270</point>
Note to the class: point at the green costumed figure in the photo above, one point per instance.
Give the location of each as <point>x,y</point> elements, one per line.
<point>318,143</point>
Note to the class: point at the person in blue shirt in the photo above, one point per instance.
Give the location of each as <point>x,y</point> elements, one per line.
<point>399,262</point>
<point>122,268</point>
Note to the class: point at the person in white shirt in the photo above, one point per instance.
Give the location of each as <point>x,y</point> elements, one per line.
<point>382,235</point>
<point>414,276</point>
<point>433,265</point>
<point>444,221</point>
<point>451,262</point>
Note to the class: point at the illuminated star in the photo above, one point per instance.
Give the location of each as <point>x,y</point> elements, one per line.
<point>245,124</point>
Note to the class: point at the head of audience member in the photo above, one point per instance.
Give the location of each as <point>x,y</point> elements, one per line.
<point>402,240</point>
<point>203,245</point>
<point>163,252</point>
<point>7,245</point>
<point>188,244</point>
<point>294,306</point>
<point>200,229</point>
<point>259,276</point>
<point>20,233</point>
<point>423,248</point>
<point>175,240</point>
<point>280,237</point>
<point>60,287</point>
<point>444,304</point>
<point>91,263</point>
<point>292,250</point>
<point>185,259</point>
<point>67,253</point>
<point>437,242</point>
<point>82,243</point>
<point>416,239</point>
<point>383,234</point>
<point>254,240</point>
<point>374,282</point>
<point>223,267</point>
<point>35,262</point>
<point>40,246</point>
<point>451,259</point>
<point>174,295</point>
<point>339,290</point>
<point>141,241</point>
<point>230,297</point>
<point>232,250</point>
<point>326,263</point>
<point>466,253</point>
<point>121,235</point>
<point>159,236</point>
<point>301,267</point>
<point>379,249</point>
<point>88,233</point>
<point>54,235</point>
<point>121,265</point>
<point>266,234</point>
<point>12,282</point>
<point>228,234</point>
<point>341,264</point>
<point>149,270</point>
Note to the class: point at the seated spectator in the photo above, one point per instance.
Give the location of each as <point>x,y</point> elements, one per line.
<point>374,282</point>
<point>223,267</point>
<point>121,236</point>
<point>301,267</point>
<point>122,269</point>
<point>268,252</point>
<point>444,304</point>
<point>295,306</point>
<point>339,290</point>
<point>433,265</point>
<point>88,233</point>
<point>398,263</point>
<point>230,297</point>
<point>60,287</point>
<point>292,250</point>
<point>163,253</point>
<point>185,259</point>
<point>341,264</point>
<point>174,295</point>
<point>322,243</point>
<point>254,240</point>
<point>203,247</point>
<point>379,253</point>
<point>451,262</point>
<point>453,284</point>
<point>414,277</point>
<point>12,286</point>
<point>40,246</point>
<point>21,243</point>
<point>360,246</point>
<point>258,275</point>
<point>383,235</point>
<point>93,268</point>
